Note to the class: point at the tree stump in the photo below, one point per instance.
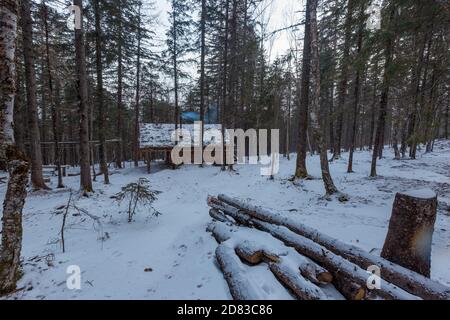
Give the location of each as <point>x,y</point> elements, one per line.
<point>409,239</point>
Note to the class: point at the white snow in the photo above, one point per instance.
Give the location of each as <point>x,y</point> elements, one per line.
<point>421,194</point>
<point>164,135</point>
<point>176,250</point>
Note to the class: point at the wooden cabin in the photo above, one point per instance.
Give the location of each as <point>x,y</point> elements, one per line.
<point>158,140</point>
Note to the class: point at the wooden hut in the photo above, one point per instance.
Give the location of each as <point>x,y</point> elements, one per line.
<point>160,139</point>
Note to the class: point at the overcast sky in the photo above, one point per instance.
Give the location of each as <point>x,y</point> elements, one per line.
<point>278,13</point>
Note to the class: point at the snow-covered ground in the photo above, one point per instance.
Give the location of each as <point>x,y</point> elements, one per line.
<point>172,256</point>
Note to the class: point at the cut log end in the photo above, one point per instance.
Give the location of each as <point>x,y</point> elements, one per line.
<point>325,277</point>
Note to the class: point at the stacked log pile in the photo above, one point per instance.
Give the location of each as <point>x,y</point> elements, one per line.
<point>304,260</point>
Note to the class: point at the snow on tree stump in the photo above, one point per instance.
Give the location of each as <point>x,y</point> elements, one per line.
<point>411,228</point>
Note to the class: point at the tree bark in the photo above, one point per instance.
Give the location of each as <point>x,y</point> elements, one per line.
<point>100,104</point>
<point>357,85</point>
<point>54,99</point>
<point>202,71</point>
<point>316,106</point>
<point>343,83</point>
<point>388,50</point>
<point>80,57</point>
<point>37,178</point>
<point>408,242</point>
<point>121,148</point>
<point>301,171</point>
<point>10,157</point>
<point>136,150</point>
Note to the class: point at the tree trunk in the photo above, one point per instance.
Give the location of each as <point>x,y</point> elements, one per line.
<point>37,178</point>
<point>121,147</point>
<point>301,171</point>
<point>389,48</point>
<point>10,156</point>
<point>409,239</point>
<point>138,94</point>
<point>54,99</point>
<point>80,57</point>
<point>343,83</point>
<point>357,85</point>
<point>101,116</point>
<point>318,131</point>
<point>202,72</point>
<point>224,82</point>
<point>175,66</point>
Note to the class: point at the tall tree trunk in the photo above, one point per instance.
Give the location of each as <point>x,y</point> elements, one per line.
<point>37,178</point>
<point>138,93</point>
<point>54,101</point>
<point>202,72</point>
<point>80,58</point>
<point>357,86</point>
<point>301,171</point>
<point>101,115</point>
<point>389,48</point>
<point>121,147</point>
<point>343,82</point>
<point>317,127</point>
<point>175,66</point>
<point>224,82</point>
<point>10,157</point>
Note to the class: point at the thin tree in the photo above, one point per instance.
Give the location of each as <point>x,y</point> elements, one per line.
<point>54,101</point>
<point>357,85</point>
<point>100,104</point>
<point>315,101</point>
<point>343,82</point>
<point>82,81</point>
<point>385,88</point>
<point>202,71</point>
<point>37,178</point>
<point>301,171</point>
<point>138,91</point>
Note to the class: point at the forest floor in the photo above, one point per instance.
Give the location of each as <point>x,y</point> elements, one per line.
<point>172,256</point>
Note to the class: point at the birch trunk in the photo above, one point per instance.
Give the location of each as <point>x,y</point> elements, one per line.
<point>10,156</point>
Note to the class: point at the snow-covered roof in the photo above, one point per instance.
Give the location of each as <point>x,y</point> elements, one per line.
<point>154,135</point>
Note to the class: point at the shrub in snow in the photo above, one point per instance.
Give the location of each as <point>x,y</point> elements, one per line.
<point>138,195</point>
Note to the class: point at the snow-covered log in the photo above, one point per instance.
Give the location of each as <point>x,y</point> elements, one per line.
<point>301,287</point>
<point>337,265</point>
<point>217,215</point>
<point>406,279</point>
<point>267,249</point>
<point>350,290</point>
<point>296,272</point>
<point>240,287</point>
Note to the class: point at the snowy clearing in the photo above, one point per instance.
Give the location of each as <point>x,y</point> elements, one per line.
<point>172,256</point>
